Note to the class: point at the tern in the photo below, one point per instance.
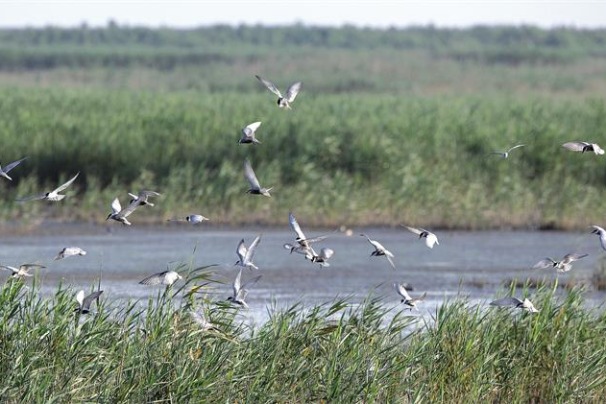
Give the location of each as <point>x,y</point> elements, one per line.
<point>120,215</point>
<point>583,147</point>
<point>69,251</point>
<point>505,154</point>
<point>193,219</point>
<point>284,101</point>
<point>380,250</point>
<point>201,320</point>
<point>406,299</point>
<point>4,171</point>
<point>248,134</point>
<point>84,302</point>
<point>564,265</point>
<point>601,233</point>
<point>240,291</point>
<point>255,187</point>
<point>22,271</point>
<point>304,242</point>
<point>323,257</point>
<point>245,255</point>
<point>141,199</point>
<point>53,196</point>
<point>525,304</point>
<point>430,238</point>
<point>162,278</point>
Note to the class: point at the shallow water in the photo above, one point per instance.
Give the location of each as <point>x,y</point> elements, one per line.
<point>473,264</point>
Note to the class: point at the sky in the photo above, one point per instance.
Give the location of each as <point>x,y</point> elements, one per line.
<point>379,13</point>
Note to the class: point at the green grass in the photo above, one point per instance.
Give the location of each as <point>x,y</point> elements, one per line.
<point>129,352</point>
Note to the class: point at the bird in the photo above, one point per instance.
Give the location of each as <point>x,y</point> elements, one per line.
<point>84,302</point>
<point>53,195</point>
<point>406,299</point>
<point>22,271</point>
<point>583,147</point>
<point>307,251</point>
<point>380,250</point>
<point>255,187</point>
<point>193,219</point>
<point>303,242</point>
<point>245,255</point>
<point>248,134</point>
<point>323,257</point>
<point>201,320</point>
<point>4,171</point>
<point>120,215</point>
<point>601,233</point>
<point>525,304</point>
<point>69,251</point>
<point>240,291</point>
<point>141,199</point>
<point>162,278</point>
<point>505,154</point>
<point>284,101</point>
<point>564,265</point>
<point>430,238</point>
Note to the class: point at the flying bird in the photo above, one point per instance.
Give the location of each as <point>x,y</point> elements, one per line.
<point>430,238</point>
<point>240,291</point>
<point>84,302</point>
<point>564,265</point>
<point>323,257</point>
<point>284,101</point>
<point>53,195</point>
<point>22,271</point>
<point>201,320</point>
<point>162,278</point>
<point>304,243</point>
<point>69,251</point>
<point>380,250</point>
<point>248,134</point>
<point>406,299</point>
<point>193,219</point>
<point>505,154</point>
<point>120,215</point>
<point>4,171</point>
<point>525,304</point>
<point>601,233</point>
<point>583,147</point>
<point>245,255</point>
<point>255,187</point>
<point>141,199</point>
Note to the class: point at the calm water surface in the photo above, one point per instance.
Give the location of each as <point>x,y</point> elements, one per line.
<point>473,264</point>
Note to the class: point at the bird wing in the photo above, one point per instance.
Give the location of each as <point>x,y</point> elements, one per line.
<point>414,230</point>
<point>249,173</point>
<point>9,268</point>
<point>270,86</point>
<point>146,193</point>
<point>544,263</point>
<point>12,165</point>
<point>241,250</point>
<point>80,298</point>
<point>326,253</point>
<point>251,249</point>
<point>402,291</point>
<point>116,207</point>
<point>251,282</point>
<point>88,299</point>
<point>597,149</point>
<point>295,226</point>
<point>32,198</point>
<point>155,279</point>
<point>575,146</point>
<point>292,91</point>
<point>237,285</point>
<point>250,129</point>
<point>389,257</point>
<point>67,184</point>
<point>599,229</point>
<point>506,301</point>
<point>515,147</point>
<point>28,266</point>
<point>130,208</point>
<point>572,257</point>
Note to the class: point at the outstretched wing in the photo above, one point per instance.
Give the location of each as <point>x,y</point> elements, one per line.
<point>270,86</point>
<point>414,230</point>
<point>249,173</point>
<point>155,279</point>
<point>12,165</point>
<point>506,301</point>
<point>292,91</point>
<point>515,147</point>
<point>116,207</point>
<point>544,263</point>
<point>251,249</point>
<point>295,226</point>
<point>249,130</point>
<point>402,291</point>
<point>88,299</point>
<point>32,198</point>
<point>237,284</point>
<point>241,250</point>
<point>67,184</point>
<point>575,146</point>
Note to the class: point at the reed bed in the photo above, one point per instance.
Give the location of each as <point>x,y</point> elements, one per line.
<point>338,351</point>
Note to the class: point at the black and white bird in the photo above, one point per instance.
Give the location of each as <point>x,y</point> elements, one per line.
<point>248,134</point>
<point>120,215</point>
<point>321,258</point>
<point>245,255</point>
<point>583,147</point>
<point>564,265</point>
<point>514,302</point>
<point>380,251</point>
<point>255,187</point>
<point>406,299</point>
<point>141,199</point>
<point>69,252</point>
<point>162,278</point>
<point>239,289</point>
<point>430,238</point>
<point>505,154</point>
<point>193,219</point>
<point>4,170</point>
<point>22,271</point>
<point>85,301</point>
<point>53,195</point>
<point>284,101</point>
<point>303,245</point>
<point>601,233</point>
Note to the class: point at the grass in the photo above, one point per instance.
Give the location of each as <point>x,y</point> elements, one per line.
<point>128,351</point>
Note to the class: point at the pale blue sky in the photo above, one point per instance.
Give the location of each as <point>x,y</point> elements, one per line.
<point>378,13</point>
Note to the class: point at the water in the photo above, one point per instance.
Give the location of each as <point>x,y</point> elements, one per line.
<point>473,264</point>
